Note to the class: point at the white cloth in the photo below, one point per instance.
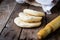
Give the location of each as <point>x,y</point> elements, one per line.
<point>47,7</point>
<point>46,4</point>
<point>20,1</point>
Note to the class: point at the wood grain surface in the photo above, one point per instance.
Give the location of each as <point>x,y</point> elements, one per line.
<point>5,12</point>
<point>9,10</point>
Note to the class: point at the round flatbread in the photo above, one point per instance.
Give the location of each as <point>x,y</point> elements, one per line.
<point>30,19</point>
<point>20,23</point>
<point>33,12</point>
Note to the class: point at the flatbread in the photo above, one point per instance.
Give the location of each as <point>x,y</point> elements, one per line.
<point>20,23</point>
<point>33,12</point>
<point>30,19</point>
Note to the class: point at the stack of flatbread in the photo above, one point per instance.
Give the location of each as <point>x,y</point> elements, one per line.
<point>29,18</point>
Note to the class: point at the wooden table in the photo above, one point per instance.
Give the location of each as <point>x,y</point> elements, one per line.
<point>9,9</point>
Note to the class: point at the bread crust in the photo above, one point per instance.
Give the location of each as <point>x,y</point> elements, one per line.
<point>20,23</point>
<point>33,12</point>
<point>30,19</point>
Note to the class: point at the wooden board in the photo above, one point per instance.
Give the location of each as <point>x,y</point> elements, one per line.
<point>1,1</point>
<point>30,34</point>
<point>11,31</point>
<point>9,10</point>
<point>6,9</point>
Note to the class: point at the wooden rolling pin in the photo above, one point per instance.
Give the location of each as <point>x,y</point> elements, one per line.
<point>50,27</point>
